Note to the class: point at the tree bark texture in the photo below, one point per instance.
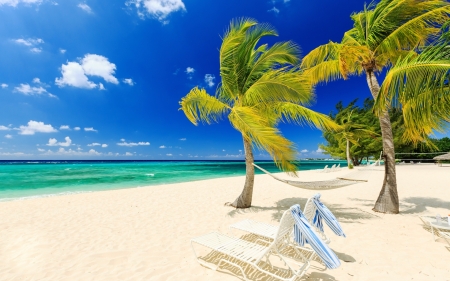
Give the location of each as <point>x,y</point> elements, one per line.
<point>245,199</point>
<point>387,201</point>
<point>349,160</point>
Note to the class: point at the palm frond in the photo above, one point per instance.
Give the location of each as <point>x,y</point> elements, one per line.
<point>255,128</point>
<point>419,83</point>
<point>300,115</point>
<point>228,54</point>
<point>413,24</point>
<point>198,105</point>
<point>279,54</point>
<point>280,85</point>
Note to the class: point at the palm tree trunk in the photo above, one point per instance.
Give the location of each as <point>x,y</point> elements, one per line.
<point>245,199</point>
<point>349,161</point>
<point>387,201</point>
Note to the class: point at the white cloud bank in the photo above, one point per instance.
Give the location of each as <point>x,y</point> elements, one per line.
<point>130,144</point>
<point>63,151</point>
<point>54,142</point>
<point>3,85</point>
<point>14,3</point>
<point>64,127</point>
<point>75,73</point>
<point>85,7</point>
<point>36,127</point>
<point>158,9</point>
<point>4,128</point>
<point>8,136</point>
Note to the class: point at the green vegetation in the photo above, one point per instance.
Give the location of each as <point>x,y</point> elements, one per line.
<point>369,144</point>
<point>392,35</point>
<point>261,86</point>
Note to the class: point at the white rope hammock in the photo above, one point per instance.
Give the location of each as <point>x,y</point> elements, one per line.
<point>354,177</point>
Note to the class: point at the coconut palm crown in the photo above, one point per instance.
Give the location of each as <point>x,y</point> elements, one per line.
<point>261,86</point>
<point>383,34</point>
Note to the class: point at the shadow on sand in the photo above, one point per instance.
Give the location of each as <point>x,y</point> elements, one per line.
<point>342,213</point>
<point>412,205</point>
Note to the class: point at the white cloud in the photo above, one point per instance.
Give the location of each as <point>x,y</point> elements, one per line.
<point>36,127</point>
<point>4,128</point>
<point>104,145</point>
<point>8,136</point>
<point>30,42</point>
<point>182,139</point>
<point>27,42</point>
<point>96,65</point>
<point>320,150</point>
<point>14,3</point>
<point>190,70</point>
<point>304,151</point>
<point>62,51</point>
<point>75,73</point>
<point>90,129</point>
<point>3,85</point>
<point>35,50</point>
<point>94,144</point>
<point>85,7</point>
<point>130,144</point>
<point>36,80</point>
<point>209,80</point>
<point>77,128</point>
<point>54,142</point>
<point>128,154</point>
<point>122,139</point>
<point>27,90</point>
<point>275,10</point>
<point>64,127</point>
<point>128,81</point>
<point>101,87</point>
<point>92,151</point>
<point>158,9</point>
<point>41,150</point>
<point>162,146</point>
<point>168,154</point>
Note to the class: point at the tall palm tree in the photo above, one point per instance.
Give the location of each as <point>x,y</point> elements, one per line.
<point>260,87</point>
<point>381,35</point>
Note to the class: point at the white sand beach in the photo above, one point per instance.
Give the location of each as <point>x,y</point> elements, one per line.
<point>144,233</point>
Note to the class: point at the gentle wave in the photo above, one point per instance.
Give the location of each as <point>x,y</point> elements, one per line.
<point>44,195</point>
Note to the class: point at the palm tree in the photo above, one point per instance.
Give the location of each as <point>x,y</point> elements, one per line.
<point>382,34</point>
<point>350,132</point>
<point>260,87</point>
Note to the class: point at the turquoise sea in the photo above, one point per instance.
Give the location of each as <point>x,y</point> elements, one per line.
<point>28,179</point>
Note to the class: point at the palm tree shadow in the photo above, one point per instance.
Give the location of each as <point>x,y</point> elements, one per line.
<point>413,205</point>
<point>342,213</point>
<point>420,204</point>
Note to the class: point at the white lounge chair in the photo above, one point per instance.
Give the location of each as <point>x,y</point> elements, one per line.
<point>268,231</point>
<point>333,168</point>
<point>446,236</point>
<point>325,169</point>
<point>251,253</point>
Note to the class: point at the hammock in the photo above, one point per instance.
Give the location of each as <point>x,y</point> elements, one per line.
<point>352,178</point>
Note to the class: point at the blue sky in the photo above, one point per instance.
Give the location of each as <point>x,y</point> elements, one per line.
<point>102,79</point>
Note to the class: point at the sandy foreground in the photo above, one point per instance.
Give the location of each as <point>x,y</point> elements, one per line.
<point>144,233</point>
